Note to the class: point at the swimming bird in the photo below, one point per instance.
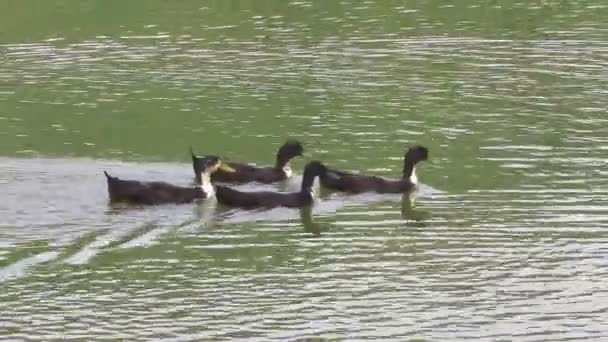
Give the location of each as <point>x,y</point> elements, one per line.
<point>356,183</point>
<point>138,192</point>
<point>245,173</point>
<point>268,199</point>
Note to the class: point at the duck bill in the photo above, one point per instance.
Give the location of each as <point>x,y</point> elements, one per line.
<point>226,168</point>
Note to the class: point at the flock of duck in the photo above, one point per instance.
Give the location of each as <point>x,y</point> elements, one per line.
<point>209,170</point>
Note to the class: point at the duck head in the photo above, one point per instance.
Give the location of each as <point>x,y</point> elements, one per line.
<point>205,166</point>
<point>312,169</point>
<point>413,155</point>
<point>289,150</point>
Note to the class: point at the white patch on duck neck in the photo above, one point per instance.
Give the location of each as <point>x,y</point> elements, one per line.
<point>288,171</point>
<point>206,185</point>
<point>312,192</point>
<point>413,177</point>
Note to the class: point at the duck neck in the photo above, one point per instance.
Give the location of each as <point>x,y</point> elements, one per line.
<point>206,185</point>
<point>281,163</point>
<point>409,172</point>
<point>308,180</point>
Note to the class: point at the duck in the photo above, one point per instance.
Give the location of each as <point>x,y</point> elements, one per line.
<point>150,193</point>
<point>357,183</point>
<point>245,173</point>
<point>267,199</point>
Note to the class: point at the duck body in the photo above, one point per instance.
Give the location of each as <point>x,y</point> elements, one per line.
<point>268,199</point>
<point>138,192</point>
<point>245,173</point>
<point>261,199</point>
<point>356,183</point>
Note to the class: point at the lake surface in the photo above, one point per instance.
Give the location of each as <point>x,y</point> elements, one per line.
<point>505,240</point>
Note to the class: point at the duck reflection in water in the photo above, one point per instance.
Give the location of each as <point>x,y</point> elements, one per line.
<point>416,217</point>
<point>310,225</point>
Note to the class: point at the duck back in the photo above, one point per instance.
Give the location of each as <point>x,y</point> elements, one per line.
<point>264,199</point>
<point>150,192</point>
<point>245,173</point>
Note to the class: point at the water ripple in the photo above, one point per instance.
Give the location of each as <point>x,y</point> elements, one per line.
<point>511,247</point>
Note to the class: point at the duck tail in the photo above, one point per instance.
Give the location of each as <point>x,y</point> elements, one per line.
<point>108,177</point>
<point>194,157</point>
<point>195,164</point>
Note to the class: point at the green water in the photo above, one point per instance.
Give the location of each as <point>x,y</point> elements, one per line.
<point>506,238</point>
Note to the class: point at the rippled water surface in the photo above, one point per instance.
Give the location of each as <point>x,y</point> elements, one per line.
<point>505,239</point>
